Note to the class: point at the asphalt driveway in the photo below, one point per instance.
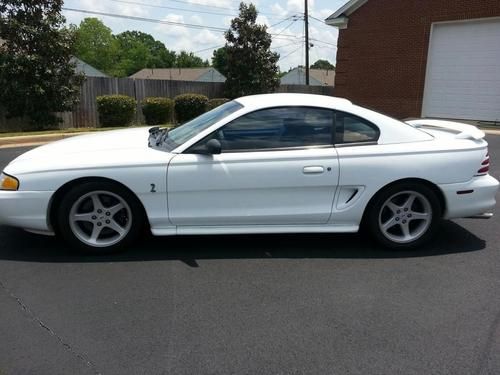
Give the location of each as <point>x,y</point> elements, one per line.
<point>294,304</point>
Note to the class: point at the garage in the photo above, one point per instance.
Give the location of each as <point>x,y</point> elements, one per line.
<point>463,71</point>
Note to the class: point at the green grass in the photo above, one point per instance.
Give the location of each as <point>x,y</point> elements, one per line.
<point>68,131</point>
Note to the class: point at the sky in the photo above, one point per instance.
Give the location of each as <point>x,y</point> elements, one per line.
<point>284,19</point>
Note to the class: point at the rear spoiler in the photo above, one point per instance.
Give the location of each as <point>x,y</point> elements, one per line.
<point>462,131</point>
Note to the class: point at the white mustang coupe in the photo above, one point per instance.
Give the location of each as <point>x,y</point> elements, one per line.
<point>275,163</point>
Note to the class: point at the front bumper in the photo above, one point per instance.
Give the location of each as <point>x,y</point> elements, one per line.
<point>25,209</point>
<point>471,198</point>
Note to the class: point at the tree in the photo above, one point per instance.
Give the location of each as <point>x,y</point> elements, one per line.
<point>37,77</point>
<point>251,66</point>
<point>137,50</point>
<point>323,64</point>
<point>219,60</point>
<point>190,60</point>
<point>96,45</point>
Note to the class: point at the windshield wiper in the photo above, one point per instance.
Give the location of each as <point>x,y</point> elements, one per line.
<point>157,136</point>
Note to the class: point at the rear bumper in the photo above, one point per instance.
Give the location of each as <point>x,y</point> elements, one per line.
<point>25,209</point>
<point>470,198</point>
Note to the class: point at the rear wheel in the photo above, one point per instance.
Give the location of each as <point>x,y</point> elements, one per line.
<point>404,216</point>
<point>100,217</point>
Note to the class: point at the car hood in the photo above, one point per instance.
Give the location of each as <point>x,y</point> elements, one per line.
<point>101,149</point>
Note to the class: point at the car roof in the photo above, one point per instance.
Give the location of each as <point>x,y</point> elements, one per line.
<point>289,99</point>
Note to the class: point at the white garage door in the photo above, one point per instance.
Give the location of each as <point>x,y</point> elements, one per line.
<point>463,71</point>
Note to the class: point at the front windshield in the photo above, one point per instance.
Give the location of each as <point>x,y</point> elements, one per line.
<point>182,133</point>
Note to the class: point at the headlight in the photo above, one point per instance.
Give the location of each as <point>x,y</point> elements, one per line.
<point>8,182</point>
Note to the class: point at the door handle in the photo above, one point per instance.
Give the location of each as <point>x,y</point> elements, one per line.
<point>317,169</point>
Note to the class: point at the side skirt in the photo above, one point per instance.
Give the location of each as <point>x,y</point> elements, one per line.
<point>253,229</point>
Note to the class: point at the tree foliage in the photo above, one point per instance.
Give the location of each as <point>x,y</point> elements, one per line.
<point>251,66</point>
<point>37,77</point>
<point>219,60</point>
<point>95,44</point>
<point>323,64</point>
<point>128,52</point>
<point>137,50</point>
<point>190,60</point>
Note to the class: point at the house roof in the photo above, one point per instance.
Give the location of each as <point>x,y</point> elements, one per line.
<point>339,18</point>
<point>87,69</point>
<point>325,77</point>
<point>177,74</point>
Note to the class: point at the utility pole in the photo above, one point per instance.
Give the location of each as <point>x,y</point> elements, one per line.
<point>306,19</point>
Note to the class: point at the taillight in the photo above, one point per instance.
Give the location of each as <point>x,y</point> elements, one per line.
<point>485,166</point>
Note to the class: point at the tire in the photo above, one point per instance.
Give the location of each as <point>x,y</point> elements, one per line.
<point>100,217</point>
<point>404,216</point>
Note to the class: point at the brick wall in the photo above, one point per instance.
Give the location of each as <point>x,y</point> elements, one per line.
<point>382,55</point>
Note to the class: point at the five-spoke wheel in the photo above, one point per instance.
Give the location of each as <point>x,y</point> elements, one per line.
<point>100,216</point>
<point>404,215</point>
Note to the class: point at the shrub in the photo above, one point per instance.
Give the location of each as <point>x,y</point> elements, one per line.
<point>157,111</point>
<point>188,106</point>
<point>214,103</point>
<point>116,110</point>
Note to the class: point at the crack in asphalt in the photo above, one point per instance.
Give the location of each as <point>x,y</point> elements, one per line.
<point>45,327</point>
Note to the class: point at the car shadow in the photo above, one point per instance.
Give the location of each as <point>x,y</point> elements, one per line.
<point>17,245</point>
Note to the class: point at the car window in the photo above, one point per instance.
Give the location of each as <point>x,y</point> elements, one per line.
<point>277,128</point>
<point>353,129</point>
<point>188,130</point>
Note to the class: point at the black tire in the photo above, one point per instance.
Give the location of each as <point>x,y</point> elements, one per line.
<point>379,213</point>
<point>131,217</point>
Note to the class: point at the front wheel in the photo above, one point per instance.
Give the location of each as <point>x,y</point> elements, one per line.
<point>404,216</point>
<point>100,217</point>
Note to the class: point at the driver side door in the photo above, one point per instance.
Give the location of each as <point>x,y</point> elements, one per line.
<point>277,166</point>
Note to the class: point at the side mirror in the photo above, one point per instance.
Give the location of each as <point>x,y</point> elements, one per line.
<point>213,147</point>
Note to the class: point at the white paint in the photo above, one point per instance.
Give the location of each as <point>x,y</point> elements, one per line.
<point>257,192</point>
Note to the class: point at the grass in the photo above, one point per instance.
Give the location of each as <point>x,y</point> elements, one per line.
<point>68,131</point>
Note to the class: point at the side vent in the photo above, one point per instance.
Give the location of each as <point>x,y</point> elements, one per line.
<point>348,195</point>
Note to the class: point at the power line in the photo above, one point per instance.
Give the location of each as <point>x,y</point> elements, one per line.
<point>143,19</point>
<point>201,4</point>
<point>284,57</point>
<point>278,23</point>
<point>281,32</point>
<point>287,45</point>
<point>173,8</point>
<point>317,19</point>
<point>154,20</point>
<point>217,7</point>
<point>321,41</point>
<point>209,48</point>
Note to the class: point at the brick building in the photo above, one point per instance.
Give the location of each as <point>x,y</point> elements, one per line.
<point>420,58</point>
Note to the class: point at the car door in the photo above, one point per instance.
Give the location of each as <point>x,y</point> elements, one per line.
<point>278,166</point>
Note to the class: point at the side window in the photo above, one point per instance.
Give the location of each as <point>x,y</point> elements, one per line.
<point>277,128</point>
<point>353,129</point>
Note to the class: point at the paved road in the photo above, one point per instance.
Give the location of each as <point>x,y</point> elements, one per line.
<point>329,304</point>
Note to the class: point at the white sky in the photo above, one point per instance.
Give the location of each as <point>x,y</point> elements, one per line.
<point>203,41</point>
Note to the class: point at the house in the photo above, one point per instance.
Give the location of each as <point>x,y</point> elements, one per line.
<point>181,74</point>
<point>81,66</point>
<point>317,77</point>
<point>88,70</point>
<point>420,58</point>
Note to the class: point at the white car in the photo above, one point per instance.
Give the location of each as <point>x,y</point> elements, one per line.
<point>276,163</point>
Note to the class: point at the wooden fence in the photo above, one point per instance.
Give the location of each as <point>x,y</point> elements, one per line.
<point>85,113</point>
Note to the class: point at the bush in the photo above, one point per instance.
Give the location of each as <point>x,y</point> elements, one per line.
<point>157,111</point>
<point>214,103</point>
<point>188,106</point>
<point>116,110</point>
